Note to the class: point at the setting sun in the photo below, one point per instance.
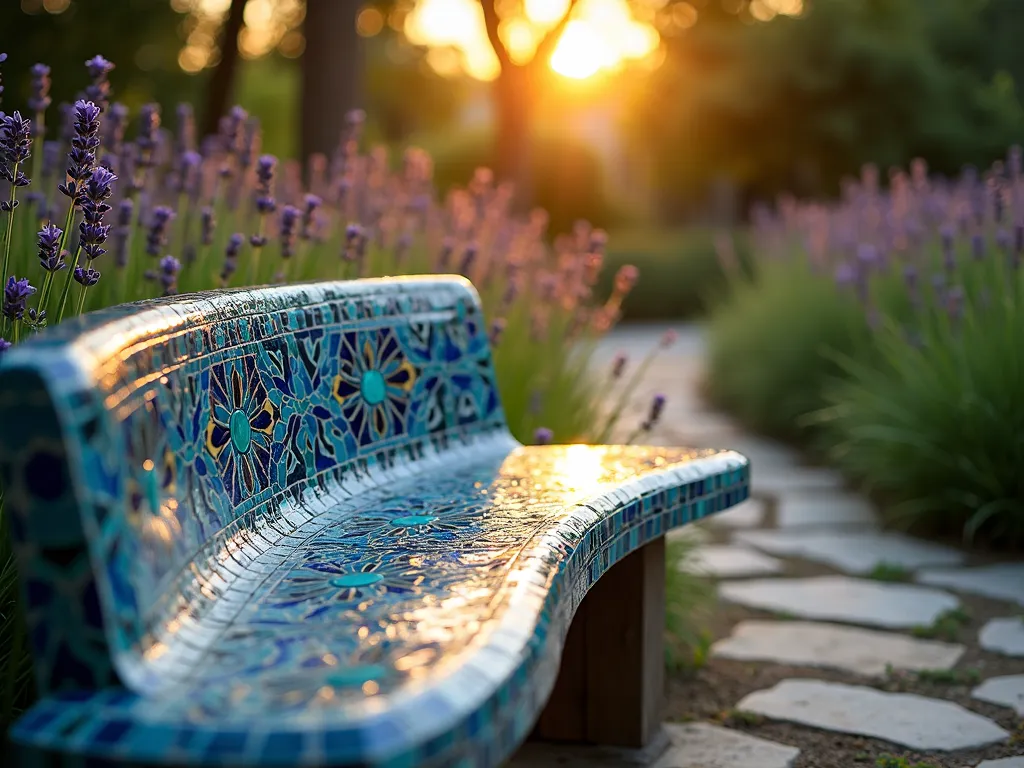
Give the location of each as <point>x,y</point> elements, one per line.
<point>580,52</point>
<point>601,37</point>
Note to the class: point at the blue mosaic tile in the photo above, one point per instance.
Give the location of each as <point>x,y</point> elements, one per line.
<point>289,527</point>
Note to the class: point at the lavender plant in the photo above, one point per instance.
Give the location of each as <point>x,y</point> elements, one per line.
<point>904,304</point>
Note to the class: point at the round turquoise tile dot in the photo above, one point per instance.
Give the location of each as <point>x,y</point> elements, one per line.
<point>348,580</point>
<point>373,387</point>
<point>412,520</point>
<point>241,431</point>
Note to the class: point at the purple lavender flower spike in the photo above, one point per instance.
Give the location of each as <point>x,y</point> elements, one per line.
<point>978,246</point>
<point>910,276</point>
<point>125,209</point>
<point>95,192</point>
<point>4,346</point>
<point>156,237</point>
<point>654,414</point>
<point>497,331</point>
<point>867,254</point>
<point>82,157</point>
<point>543,436</point>
<point>468,259</point>
<point>353,235</point>
<point>189,164</point>
<point>15,148</point>
<point>657,409</point>
<point>845,275</point>
<point>16,294</point>
<point>312,203</point>
<point>39,99</point>
<point>51,157</point>
<point>3,58</point>
<point>619,365</point>
<point>169,269</point>
<point>98,91</point>
<point>207,225</point>
<point>231,257</point>
<point>946,233</point>
<point>511,293</point>
<point>265,202</point>
<point>445,257</point>
<point>1003,240</point>
<point>146,141</point>
<point>86,277</point>
<point>51,259</point>
<point>289,219</point>
<point>547,287</point>
<point>113,136</point>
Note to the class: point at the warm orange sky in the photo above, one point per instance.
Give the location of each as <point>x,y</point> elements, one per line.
<point>602,36</point>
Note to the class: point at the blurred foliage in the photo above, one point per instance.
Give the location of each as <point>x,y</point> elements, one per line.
<point>142,37</point>
<point>772,344</point>
<point>934,419</point>
<point>797,103</point>
<point>689,606</point>
<point>912,391</point>
<point>566,175</point>
<point>681,271</point>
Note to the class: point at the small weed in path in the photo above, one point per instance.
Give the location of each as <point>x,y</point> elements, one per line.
<point>890,572</point>
<point>969,676</point>
<point>888,761</point>
<point>739,717</point>
<point>946,627</point>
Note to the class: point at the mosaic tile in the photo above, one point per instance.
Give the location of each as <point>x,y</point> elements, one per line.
<point>289,527</point>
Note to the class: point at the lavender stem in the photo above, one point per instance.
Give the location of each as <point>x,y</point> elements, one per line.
<point>10,227</point>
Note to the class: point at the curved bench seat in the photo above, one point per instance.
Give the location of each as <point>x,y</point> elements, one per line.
<point>406,606</point>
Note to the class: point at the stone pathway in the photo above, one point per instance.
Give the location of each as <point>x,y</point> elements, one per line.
<point>831,592</point>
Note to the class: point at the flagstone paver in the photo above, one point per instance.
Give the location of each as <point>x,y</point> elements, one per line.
<point>701,745</point>
<point>725,561</point>
<point>812,644</point>
<point>823,508</point>
<point>782,480</point>
<point>843,599</point>
<point>1003,581</point>
<point>749,514</point>
<point>1006,691</point>
<point>854,551</point>
<point>913,721</point>
<point>1004,636</point>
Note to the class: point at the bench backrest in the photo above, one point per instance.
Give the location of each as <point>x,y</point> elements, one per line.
<point>137,441</point>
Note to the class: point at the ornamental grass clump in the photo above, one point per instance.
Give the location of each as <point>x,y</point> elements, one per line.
<point>919,397</point>
<point>101,207</point>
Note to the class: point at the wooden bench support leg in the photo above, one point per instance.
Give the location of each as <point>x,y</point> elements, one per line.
<point>611,684</point>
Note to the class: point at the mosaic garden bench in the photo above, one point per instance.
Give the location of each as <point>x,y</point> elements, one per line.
<point>288,526</point>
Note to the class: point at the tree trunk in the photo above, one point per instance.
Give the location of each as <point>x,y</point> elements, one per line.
<point>332,69</point>
<point>514,108</point>
<point>223,78</point>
